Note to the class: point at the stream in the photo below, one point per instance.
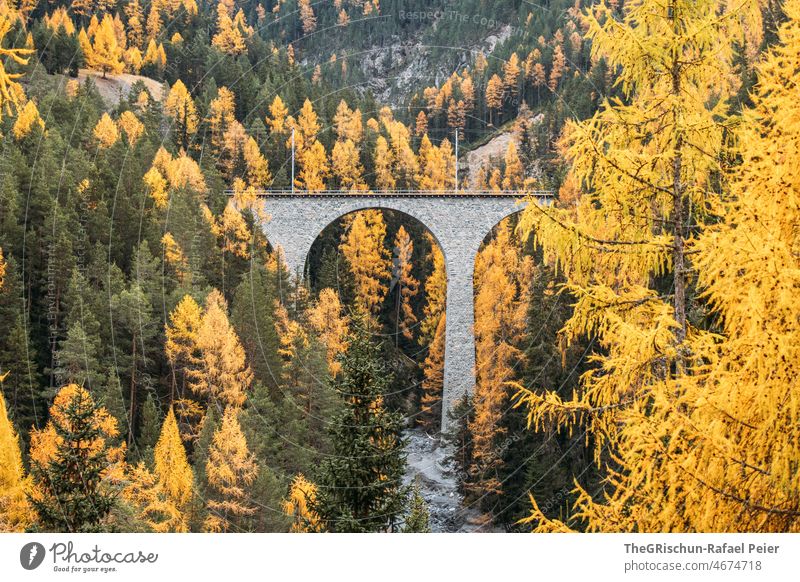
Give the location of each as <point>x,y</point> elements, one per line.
<point>429,465</point>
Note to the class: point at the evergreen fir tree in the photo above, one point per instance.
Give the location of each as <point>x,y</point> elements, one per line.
<point>360,485</point>
<point>418,520</point>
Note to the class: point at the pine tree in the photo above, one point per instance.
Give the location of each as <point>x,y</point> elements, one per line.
<point>230,470</point>
<point>360,484</point>
<point>15,511</point>
<point>74,464</point>
<point>135,327</point>
<point>253,317</point>
<point>22,383</point>
<point>418,519</point>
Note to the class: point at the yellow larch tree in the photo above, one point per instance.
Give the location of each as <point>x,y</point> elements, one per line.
<point>59,18</point>
<point>368,259</point>
<point>231,32</point>
<point>15,511</point>
<point>348,123</point>
<point>511,71</point>
<point>156,187</point>
<point>224,375</point>
<point>307,16</point>
<point>277,116</point>
<point>176,258</point>
<point>164,495</point>
<point>130,125</point>
<point>11,92</point>
<point>230,228</point>
<point>558,68</point>
<point>173,471</point>
<point>327,320</point>
<point>514,175</point>
<point>181,108</point>
<point>502,276</point>
<point>421,124</point>
<point>106,132</point>
<point>406,285</point>
<point>347,166</point>
<point>314,168</point>
<point>406,166</point>
<point>230,470</point>
<point>181,345</point>
<point>256,165</point>
<point>106,53</point>
<point>133,60</point>
<point>310,153</point>
<point>27,119</point>
<point>221,113</point>
<point>298,505</point>
<point>435,292</point>
<point>494,95</point>
<point>135,23</point>
<point>651,167</point>
<point>430,405</point>
<point>436,166</point>
<point>384,162</point>
<point>155,55</point>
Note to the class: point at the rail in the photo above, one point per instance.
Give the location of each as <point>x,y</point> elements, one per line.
<point>401,193</point>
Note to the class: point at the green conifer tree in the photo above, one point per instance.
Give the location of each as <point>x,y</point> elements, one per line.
<point>360,485</point>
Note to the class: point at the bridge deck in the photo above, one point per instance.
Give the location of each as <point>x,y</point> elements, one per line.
<point>402,193</point>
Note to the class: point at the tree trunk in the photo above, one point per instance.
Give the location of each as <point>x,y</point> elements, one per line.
<point>133,394</point>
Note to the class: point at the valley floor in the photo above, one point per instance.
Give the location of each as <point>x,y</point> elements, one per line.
<point>428,462</point>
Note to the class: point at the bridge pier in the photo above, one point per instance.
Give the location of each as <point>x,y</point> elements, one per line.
<point>459,340</point>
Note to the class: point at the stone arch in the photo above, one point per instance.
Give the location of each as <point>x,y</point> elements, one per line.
<point>305,268</point>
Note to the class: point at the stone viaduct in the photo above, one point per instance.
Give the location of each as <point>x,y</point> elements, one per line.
<point>459,221</point>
